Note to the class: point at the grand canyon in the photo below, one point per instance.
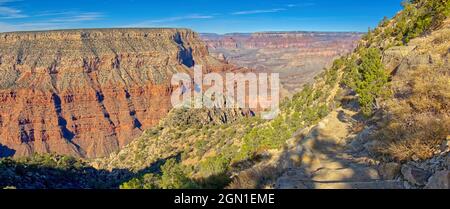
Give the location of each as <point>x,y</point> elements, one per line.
<point>297,56</point>
<point>88,93</point>
<point>92,108</point>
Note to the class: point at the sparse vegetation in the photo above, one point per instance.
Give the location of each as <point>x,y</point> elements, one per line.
<point>415,114</point>
<point>417,18</point>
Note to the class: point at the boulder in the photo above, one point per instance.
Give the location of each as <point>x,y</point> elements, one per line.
<point>415,175</point>
<point>389,170</point>
<point>440,180</point>
<point>359,141</point>
<point>393,56</point>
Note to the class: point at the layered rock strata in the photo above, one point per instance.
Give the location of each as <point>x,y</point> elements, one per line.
<point>87,93</point>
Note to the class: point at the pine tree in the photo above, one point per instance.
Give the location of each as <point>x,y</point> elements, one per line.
<point>371,79</point>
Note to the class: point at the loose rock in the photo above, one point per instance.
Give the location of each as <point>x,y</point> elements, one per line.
<point>415,175</point>
<point>440,180</point>
<point>390,170</point>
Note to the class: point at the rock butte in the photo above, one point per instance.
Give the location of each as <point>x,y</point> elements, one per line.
<point>87,93</point>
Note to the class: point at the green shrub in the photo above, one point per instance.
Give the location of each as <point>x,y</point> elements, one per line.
<point>368,79</point>
<point>215,165</point>
<point>148,181</point>
<point>420,16</point>
<point>175,176</point>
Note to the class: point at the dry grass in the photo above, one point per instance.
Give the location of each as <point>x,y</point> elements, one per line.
<point>437,42</point>
<point>419,137</point>
<point>420,117</point>
<point>430,90</point>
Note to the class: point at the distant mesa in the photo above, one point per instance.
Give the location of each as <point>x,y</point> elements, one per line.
<point>297,56</point>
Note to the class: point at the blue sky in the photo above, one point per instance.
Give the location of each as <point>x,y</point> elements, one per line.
<point>219,16</point>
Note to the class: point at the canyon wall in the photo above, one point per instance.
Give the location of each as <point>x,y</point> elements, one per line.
<point>87,93</point>
<point>279,40</point>
<point>297,56</point>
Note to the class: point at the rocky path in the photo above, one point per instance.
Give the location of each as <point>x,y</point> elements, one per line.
<point>323,158</point>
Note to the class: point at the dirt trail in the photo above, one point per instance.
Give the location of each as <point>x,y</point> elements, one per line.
<point>323,158</point>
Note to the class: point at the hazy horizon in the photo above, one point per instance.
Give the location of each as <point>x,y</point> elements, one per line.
<point>202,16</point>
<point>156,28</point>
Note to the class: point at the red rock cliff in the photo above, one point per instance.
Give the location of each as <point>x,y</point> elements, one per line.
<point>88,93</point>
